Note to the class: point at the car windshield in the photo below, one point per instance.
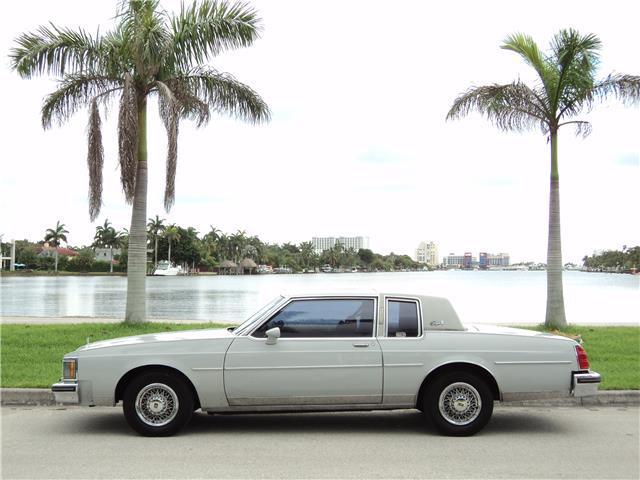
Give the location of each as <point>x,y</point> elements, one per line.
<point>245,325</point>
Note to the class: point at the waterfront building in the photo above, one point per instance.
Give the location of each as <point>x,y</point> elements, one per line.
<point>427,253</point>
<point>104,254</point>
<point>490,260</point>
<point>467,261</point>
<point>320,244</point>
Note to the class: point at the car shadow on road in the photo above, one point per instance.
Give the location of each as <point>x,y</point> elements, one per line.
<point>402,422</point>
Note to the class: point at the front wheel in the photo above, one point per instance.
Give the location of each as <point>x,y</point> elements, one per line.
<point>157,404</point>
<point>459,403</point>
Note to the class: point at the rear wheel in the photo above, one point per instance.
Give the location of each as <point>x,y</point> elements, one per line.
<point>157,404</point>
<point>459,403</point>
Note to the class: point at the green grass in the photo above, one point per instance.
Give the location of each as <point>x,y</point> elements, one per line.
<point>31,355</point>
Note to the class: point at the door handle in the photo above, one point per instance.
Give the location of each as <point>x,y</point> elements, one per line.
<point>362,345</point>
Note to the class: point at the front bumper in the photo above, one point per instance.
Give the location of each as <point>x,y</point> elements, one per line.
<point>584,384</point>
<point>66,392</point>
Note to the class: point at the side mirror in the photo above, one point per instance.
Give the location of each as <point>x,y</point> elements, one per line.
<point>273,334</point>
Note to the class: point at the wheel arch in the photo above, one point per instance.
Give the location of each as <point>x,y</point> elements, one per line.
<point>131,374</point>
<point>474,368</point>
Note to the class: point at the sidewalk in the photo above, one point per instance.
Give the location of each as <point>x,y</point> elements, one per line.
<point>44,397</point>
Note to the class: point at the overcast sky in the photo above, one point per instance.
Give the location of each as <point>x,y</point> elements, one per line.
<point>358,143</point>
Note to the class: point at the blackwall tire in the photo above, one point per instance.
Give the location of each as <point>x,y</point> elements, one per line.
<point>459,403</point>
<point>157,404</point>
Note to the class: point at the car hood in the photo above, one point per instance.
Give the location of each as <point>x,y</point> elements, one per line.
<point>183,335</point>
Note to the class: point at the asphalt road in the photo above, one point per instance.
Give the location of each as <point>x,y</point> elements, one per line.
<point>519,442</point>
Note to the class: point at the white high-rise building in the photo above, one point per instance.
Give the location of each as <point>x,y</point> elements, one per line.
<point>320,244</point>
<point>427,253</point>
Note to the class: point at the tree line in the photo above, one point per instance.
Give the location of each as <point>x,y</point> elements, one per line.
<point>186,246</point>
<point>627,259</point>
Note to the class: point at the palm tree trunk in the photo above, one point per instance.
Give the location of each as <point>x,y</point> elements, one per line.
<point>555,316</point>
<point>169,254</point>
<point>137,264</point>
<point>56,260</point>
<point>155,251</point>
<point>111,260</point>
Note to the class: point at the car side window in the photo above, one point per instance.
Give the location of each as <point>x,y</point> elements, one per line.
<point>402,318</point>
<point>320,318</point>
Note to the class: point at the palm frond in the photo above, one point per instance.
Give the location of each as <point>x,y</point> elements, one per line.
<point>206,28</point>
<point>583,128</point>
<point>95,160</point>
<point>128,138</point>
<point>625,88</point>
<point>528,49</point>
<point>576,58</point>
<point>55,50</point>
<point>169,113</point>
<point>143,24</point>
<point>224,94</point>
<point>74,92</point>
<point>513,106</point>
<point>191,107</point>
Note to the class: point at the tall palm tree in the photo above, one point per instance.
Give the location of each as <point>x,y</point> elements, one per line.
<point>155,228</point>
<point>567,86</point>
<point>54,236</point>
<point>149,53</point>
<point>172,234</point>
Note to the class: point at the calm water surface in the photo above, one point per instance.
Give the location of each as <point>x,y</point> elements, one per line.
<point>479,297</point>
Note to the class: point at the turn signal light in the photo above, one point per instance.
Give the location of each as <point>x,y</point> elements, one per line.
<point>69,369</point>
<point>583,360</point>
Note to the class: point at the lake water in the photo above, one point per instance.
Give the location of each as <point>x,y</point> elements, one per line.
<point>479,297</point>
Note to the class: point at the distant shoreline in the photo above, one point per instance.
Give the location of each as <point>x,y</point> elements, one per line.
<point>22,273</point>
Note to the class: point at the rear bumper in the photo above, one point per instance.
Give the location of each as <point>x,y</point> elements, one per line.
<point>584,384</point>
<point>66,392</point>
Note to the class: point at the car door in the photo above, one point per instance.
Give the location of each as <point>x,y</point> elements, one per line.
<point>327,354</point>
<point>402,342</point>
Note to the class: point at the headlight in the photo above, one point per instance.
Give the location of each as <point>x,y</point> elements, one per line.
<point>70,369</point>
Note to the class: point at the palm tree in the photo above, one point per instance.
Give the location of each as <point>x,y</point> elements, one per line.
<point>307,253</point>
<point>155,228</point>
<point>149,53</point>
<point>102,238</point>
<point>54,236</point>
<point>108,237</point>
<point>567,86</point>
<point>237,242</point>
<point>172,234</point>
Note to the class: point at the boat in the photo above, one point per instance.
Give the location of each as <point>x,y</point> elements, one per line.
<point>326,268</point>
<point>165,269</point>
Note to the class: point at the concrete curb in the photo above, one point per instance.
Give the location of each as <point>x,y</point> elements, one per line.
<point>44,397</point>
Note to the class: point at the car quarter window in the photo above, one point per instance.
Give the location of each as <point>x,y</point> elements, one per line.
<point>402,318</point>
<point>351,317</point>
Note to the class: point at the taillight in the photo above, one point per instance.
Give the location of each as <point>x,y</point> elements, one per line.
<point>583,360</point>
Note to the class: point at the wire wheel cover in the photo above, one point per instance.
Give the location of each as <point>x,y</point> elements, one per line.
<point>460,403</point>
<point>157,404</point>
